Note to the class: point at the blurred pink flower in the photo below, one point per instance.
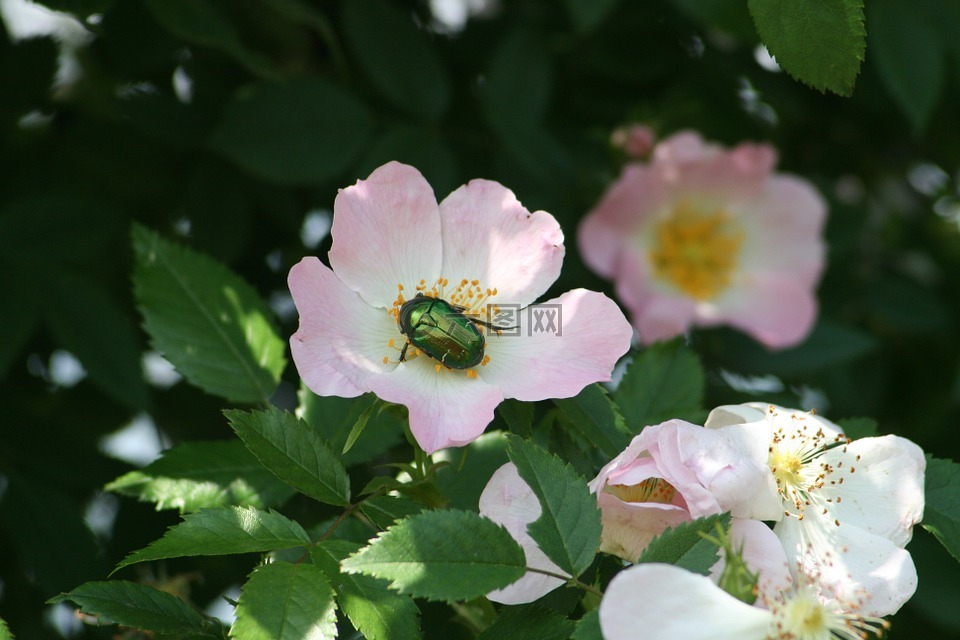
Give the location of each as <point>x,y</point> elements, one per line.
<point>479,247</point>
<point>676,472</point>
<point>636,140</point>
<point>703,235</point>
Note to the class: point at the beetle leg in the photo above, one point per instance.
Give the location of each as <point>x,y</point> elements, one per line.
<point>403,352</point>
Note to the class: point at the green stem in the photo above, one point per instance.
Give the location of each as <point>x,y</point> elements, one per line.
<point>349,510</point>
<point>573,582</point>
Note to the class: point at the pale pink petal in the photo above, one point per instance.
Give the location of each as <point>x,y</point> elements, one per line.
<point>883,491</point>
<point>657,312</point>
<point>779,311</point>
<point>763,554</point>
<point>628,527</point>
<point>664,602</point>
<point>862,570</point>
<point>338,332</point>
<point>386,231</point>
<point>614,224</point>
<point>786,221</point>
<point>447,409</point>
<point>589,335</point>
<point>489,236</point>
<point>510,502</point>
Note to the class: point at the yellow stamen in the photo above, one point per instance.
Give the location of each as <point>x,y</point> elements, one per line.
<point>696,250</point>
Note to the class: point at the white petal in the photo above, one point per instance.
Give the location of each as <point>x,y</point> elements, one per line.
<point>882,492</point>
<point>863,571</point>
<point>509,501</point>
<point>733,414</point>
<point>762,552</point>
<point>663,602</point>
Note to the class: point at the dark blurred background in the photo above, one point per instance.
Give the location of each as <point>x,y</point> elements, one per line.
<point>229,125</point>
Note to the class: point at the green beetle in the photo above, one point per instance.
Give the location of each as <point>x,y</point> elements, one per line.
<point>441,330</point>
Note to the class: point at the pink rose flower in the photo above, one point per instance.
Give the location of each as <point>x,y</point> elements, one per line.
<point>705,236</point>
<point>676,472</point>
<point>479,249</point>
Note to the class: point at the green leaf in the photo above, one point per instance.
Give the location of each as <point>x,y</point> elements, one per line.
<point>301,132</point>
<point>206,320</point>
<point>5,631</point>
<point>223,531</point>
<point>374,610</point>
<point>684,547</point>
<point>528,622</point>
<point>141,606</point>
<point>463,480</point>
<point>397,57</point>
<point>906,46</point>
<point>283,601</point>
<point>199,22</point>
<point>597,418</point>
<point>587,15</point>
<point>383,511</point>
<point>201,475</point>
<point>518,416</point>
<point>295,452</point>
<point>89,323</point>
<point>665,381</point>
<point>588,628</point>
<point>855,428</point>
<point>819,42</point>
<point>358,427</point>
<point>568,530</point>
<point>941,515</point>
<point>334,418</point>
<point>442,555</point>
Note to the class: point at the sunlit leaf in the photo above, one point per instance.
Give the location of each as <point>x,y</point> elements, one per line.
<point>283,601</point>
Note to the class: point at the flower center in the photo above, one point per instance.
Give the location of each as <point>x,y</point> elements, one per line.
<point>695,250</point>
<point>650,490</point>
<point>803,617</point>
<point>802,472</point>
<point>450,331</point>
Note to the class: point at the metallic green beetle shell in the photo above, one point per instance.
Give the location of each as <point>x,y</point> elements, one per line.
<point>441,331</point>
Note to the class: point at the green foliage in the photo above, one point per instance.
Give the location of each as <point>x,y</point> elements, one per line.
<point>588,14</point>
<point>375,611</point>
<point>335,419</point>
<point>568,529</point>
<point>223,531</point>
<point>283,601</point>
<point>908,48</point>
<point>820,42</point>
<point>142,607</point>
<point>201,475</point>
<point>5,631</point>
<point>397,57</point>
<point>208,322</point>
<point>518,416</point>
<point>597,418</point>
<point>272,131</point>
<point>442,555</point>
<point>685,545</point>
<point>383,511</point>
<point>199,22</point>
<point>528,622</point>
<point>588,628</point>
<point>941,514</point>
<point>294,452</point>
<point>665,381</point>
